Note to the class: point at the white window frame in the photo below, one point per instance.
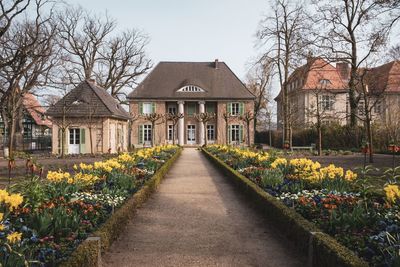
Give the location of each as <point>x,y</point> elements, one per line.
<point>235,133</point>
<point>147,131</point>
<point>235,108</point>
<point>170,132</point>
<point>327,102</point>
<point>191,88</point>
<point>210,132</point>
<point>147,108</point>
<point>172,109</point>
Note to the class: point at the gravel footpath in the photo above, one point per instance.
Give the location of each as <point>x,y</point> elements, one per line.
<point>196,218</point>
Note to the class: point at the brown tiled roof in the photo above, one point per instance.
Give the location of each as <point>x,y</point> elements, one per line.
<point>168,77</point>
<point>35,110</point>
<point>310,74</point>
<point>87,97</point>
<point>385,78</point>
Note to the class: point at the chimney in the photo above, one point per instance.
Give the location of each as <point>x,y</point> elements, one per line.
<point>92,80</point>
<point>344,70</point>
<point>216,64</point>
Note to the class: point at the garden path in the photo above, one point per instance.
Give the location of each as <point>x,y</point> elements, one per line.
<point>196,218</point>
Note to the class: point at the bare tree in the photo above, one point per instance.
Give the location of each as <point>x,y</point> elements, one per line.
<point>91,50</point>
<point>32,44</point>
<point>321,110</point>
<point>284,34</point>
<point>227,116</point>
<point>174,118</point>
<point>203,118</point>
<point>10,9</point>
<point>247,117</point>
<point>154,119</point>
<point>354,31</point>
<point>259,79</point>
<point>394,53</point>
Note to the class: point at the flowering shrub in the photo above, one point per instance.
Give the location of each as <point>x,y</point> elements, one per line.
<point>43,221</point>
<point>330,197</point>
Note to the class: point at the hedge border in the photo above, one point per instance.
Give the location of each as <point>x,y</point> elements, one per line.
<point>322,249</point>
<point>88,253</point>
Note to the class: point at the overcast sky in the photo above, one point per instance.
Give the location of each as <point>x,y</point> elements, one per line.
<point>191,30</point>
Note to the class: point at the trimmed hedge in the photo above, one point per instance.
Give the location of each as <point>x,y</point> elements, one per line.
<point>87,253</point>
<point>322,249</point>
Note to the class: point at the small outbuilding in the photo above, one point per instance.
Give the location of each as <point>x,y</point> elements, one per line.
<point>88,120</point>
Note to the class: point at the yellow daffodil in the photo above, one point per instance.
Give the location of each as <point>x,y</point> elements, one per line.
<point>392,193</point>
<point>14,237</point>
<point>14,200</point>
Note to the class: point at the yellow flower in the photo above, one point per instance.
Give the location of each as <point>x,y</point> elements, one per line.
<point>75,167</point>
<point>392,193</point>
<point>1,216</point>
<point>3,195</point>
<point>350,176</point>
<point>14,237</point>
<point>278,162</point>
<point>2,227</point>
<point>331,172</point>
<point>14,200</point>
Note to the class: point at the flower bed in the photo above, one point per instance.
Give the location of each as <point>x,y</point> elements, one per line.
<point>326,196</point>
<point>44,221</point>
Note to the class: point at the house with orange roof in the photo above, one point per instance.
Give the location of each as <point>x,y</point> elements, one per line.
<point>324,84</point>
<point>34,130</point>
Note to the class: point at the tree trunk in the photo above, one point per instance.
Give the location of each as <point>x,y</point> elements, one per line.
<point>205,133</point>
<point>248,134</point>
<point>173,134</point>
<point>62,142</point>
<point>319,140</point>
<point>369,133</point>
<point>91,141</point>
<point>153,126</point>
<point>11,134</point>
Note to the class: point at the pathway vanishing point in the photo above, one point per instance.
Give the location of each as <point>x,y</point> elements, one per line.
<point>196,218</point>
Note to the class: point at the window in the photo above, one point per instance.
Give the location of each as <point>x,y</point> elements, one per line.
<point>377,108</point>
<point>144,133</point>
<point>147,133</point>
<point>235,133</point>
<point>235,108</point>
<point>324,82</point>
<point>191,109</point>
<point>361,108</point>
<point>147,108</point>
<point>210,132</point>
<point>170,132</point>
<point>191,88</point>
<point>210,107</point>
<point>172,109</point>
<point>327,102</point>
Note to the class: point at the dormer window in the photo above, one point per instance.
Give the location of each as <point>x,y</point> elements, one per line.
<point>191,88</point>
<point>324,82</point>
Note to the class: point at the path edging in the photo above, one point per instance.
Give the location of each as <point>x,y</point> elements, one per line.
<point>88,253</point>
<point>322,249</point>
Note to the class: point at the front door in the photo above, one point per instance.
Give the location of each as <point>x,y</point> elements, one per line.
<point>74,140</point>
<point>191,134</point>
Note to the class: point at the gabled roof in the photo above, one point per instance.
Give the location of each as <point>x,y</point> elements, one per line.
<point>385,78</point>
<point>309,76</point>
<point>35,110</point>
<point>168,77</point>
<point>88,98</point>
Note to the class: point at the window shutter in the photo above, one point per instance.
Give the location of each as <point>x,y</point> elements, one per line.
<point>153,107</point>
<point>140,108</point>
<point>229,107</point>
<point>82,133</point>
<point>241,108</point>
<point>241,134</point>
<point>140,134</point>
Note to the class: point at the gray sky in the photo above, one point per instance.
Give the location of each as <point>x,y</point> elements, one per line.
<point>191,30</point>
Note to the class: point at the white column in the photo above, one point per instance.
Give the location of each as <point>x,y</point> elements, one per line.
<point>181,123</point>
<point>201,124</point>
